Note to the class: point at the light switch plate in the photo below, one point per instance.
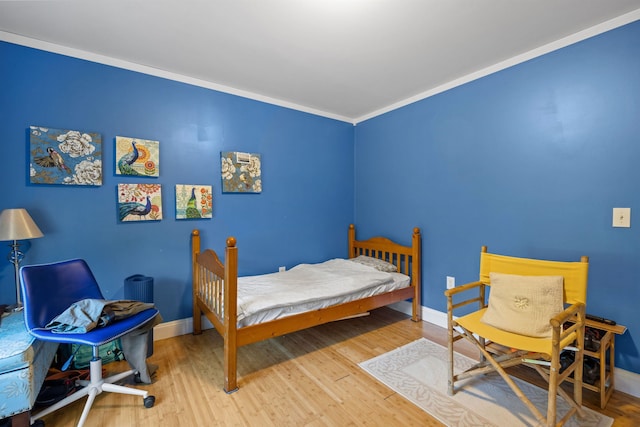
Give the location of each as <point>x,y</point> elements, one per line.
<point>622,217</point>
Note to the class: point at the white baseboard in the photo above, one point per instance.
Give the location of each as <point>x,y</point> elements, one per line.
<point>430,315</point>
<point>178,327</point>
<point>626,381</point>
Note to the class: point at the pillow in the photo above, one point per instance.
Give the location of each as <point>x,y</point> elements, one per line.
<point>524,304</point>
<point>376,263</point>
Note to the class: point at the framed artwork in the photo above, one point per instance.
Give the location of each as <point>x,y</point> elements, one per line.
<point>194,201</point>
<point>60,156</point>
<point>137,157</point>
<point>139,202</point>
<point>241,172</point>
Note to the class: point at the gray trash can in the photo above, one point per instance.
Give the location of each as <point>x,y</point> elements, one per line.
<point>140,288</point>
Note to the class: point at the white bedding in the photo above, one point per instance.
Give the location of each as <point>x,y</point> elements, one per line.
<point>308,287</point>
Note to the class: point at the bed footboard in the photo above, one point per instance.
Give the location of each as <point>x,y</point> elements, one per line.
<point>215,296</point>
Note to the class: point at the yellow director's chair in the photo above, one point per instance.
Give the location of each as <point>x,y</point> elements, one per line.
<point>535,310</point>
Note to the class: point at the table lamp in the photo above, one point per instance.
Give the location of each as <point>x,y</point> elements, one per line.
<point>16,224</point>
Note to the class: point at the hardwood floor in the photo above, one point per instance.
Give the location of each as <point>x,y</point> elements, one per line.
<point>308,378</point>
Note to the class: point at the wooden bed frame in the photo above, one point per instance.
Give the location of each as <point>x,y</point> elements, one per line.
<point>215,295</point>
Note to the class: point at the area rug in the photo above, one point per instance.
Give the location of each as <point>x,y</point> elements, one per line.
<point>418,371</point>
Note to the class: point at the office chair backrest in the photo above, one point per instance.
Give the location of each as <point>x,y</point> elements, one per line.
<point>574,272</point>
<point>49,289</point>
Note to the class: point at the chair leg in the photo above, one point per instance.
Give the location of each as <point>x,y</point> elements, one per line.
<point>498,365</point>
<point>64,402</point>
<point>93,392</point>
<point>575,402</point>
<point>552,400</point>
<point>94,387</point>
<point>115,388</point>
<point>450,382</point>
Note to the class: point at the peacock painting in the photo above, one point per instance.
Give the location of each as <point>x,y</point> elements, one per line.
<point>129,158</point>
<point>137,157</point>
<point>194,201</point>
<point>139,202</point>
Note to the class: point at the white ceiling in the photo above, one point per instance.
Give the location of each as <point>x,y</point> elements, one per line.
<point>345,59</point>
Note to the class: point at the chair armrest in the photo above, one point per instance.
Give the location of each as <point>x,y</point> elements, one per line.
<point>568,313</point>
<point>469,299</point>
<point>574,313</point>
<point>453,291</point>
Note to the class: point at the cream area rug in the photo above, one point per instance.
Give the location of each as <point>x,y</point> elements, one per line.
<point>418,371</point>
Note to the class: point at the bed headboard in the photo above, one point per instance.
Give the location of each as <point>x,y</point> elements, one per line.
<point>405,258</point>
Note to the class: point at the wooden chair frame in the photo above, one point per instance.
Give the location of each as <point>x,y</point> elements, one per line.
<point>496,353</point>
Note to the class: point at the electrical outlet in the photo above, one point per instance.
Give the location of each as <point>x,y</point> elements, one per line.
<point>622,217</point>
<point>451,282</point>
<point>283,268</point>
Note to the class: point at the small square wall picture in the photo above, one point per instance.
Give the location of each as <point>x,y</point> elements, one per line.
<point>241,172</point>
<point>60,156</point>
<point>139,202</point>
<point>137,157</point>
<point>194,201</point>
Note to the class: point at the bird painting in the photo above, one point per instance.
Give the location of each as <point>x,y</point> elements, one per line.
<point>134,208</point>
<point>194,201</point>
<point>192,209</point>
<point>125,162</point>
<point>64,156</point>
<point>53,159</point>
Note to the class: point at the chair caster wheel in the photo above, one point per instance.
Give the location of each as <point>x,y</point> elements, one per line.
<point>149,401</point>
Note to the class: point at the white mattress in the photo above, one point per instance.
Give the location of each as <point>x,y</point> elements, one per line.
<point>309,287</point>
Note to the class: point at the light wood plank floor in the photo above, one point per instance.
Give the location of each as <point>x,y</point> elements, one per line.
<point>308,378</point>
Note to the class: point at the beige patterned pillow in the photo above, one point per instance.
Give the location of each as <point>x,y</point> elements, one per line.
<point>376,263</point>
<point>524,304</point>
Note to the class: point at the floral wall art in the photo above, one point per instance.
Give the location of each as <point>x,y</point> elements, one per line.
<point>139,202</point>
<point>194,201</point>
<point>137,157</point>
<point>241,172</point>
<point>59,156</point>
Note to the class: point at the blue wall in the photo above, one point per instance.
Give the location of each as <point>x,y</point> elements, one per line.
<point>529,161</point>
<point>302,214</point>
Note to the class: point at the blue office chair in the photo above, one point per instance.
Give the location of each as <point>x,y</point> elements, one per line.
<point>48,290</point>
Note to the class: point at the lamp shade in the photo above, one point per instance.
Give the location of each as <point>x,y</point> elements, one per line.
<point>16,224</point>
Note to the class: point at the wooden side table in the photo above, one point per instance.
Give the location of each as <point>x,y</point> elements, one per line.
<point>605,355</point>
<point>605,385</point>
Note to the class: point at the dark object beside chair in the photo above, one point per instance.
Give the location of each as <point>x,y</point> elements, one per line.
<point>48,290</point>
